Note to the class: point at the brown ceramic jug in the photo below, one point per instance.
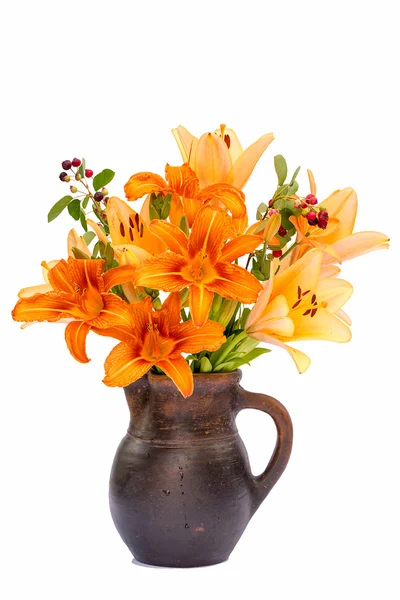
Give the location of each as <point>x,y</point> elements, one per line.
<point>181,488</point>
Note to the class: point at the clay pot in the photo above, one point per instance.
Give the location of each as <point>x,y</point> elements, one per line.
<point>181,488</point>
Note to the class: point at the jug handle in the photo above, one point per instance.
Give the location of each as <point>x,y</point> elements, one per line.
<point>264,483</point>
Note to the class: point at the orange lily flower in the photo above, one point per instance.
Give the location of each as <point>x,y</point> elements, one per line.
<point>78,291</point>
<point>202,263</point>
<point>219,157</point>
<point>297,304</point>
<point>187,197</point>
<point>158,338</point>
<point>337,241</point>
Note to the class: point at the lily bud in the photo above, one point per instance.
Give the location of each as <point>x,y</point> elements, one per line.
<point>226,311</point>
<point>272,227</point>
<point>157,304</point>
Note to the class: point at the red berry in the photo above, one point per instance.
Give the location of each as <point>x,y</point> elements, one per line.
<point>311,216</point>
<point>304,205</point>
<point>322,224</point>
<point>277,253</point>
<point>98,196</point>
<point>64,176</point>
<point>76,162</point>
<point>311,199</point>
<point>88,173</point>
<point>66,165</point>
<point>282,231</point>
<point>323,214</point>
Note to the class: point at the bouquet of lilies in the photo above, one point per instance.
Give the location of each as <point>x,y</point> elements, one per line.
<point>187,240</point>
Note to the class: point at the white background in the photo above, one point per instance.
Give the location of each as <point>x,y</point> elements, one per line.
<point>107,80</point>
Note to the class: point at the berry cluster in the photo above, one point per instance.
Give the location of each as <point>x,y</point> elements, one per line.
<point>317,216</point>
<point>67,166</point>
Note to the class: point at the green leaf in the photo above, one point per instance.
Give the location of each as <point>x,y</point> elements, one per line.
<point>82,218</point>
<point>245,316</point>
<point>230,366</point>
<point>82,168</point>
<point>74,209</point>
<point>109,257</point>
<point>294,176</point>
<point>166,208</point>
<point>258,275</point>
<point>184,225</point>
<point>280,168</point>
<point>89,237</point>
<point>293,188</point>
<point>58,208</point>
<point>205,365</point>
<point>79,254</point>
<point>103,178</point>
<point>153,213</point>
<point>85,201</point>
<point>96,249</point>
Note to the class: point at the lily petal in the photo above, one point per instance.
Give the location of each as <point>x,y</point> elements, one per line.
<point>123,366</point>
<point>303,274</point>
<point>114,312</point>
<point>99,231</point>
<point>46,307</point>
<point>179,371</point>
<point>200,300</point>
<point>195,339</point>
<point>75,336</point>
<point>163,272</point>
<point>235,283</point>
<point>76,241</point>
<point>171,235</point>
<point>211,229</point>
<point>342,205</point>
<point>230,197</point>
<point>144,183</point>
<point>360,243</point>
<point>334,292</point>
<point>302,361</point>
<point>232,142</point>
<point>211,161</point>
<point>127,227</point>
<point>244,165</point>
<point>118,275</point>
<point>313,187</point>
<point>187,143</point>
<point>172,306</point>
<point>35,289</point>
<point>323,326</point>
<point>274,321</point>
<point>243,244</point>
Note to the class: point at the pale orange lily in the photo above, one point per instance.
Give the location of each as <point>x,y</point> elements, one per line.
<point>78,291</point>
<point>158,338</point>
<point>130,238</point>
<point>202,263</point>
<point>297,304</point>
<point>76,241</point>
<point>337,241</point>
<point>218,157</point>
<point>187,197</point>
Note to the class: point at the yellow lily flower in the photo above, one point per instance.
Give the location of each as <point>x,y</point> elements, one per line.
<point>218,157</point>
<point>337,241</point>
<point>297,304</point>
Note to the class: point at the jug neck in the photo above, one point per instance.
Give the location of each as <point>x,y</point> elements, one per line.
<point>159,412</point>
